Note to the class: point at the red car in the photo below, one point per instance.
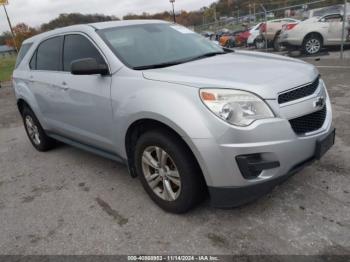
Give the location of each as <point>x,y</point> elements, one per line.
<point>242,37</point>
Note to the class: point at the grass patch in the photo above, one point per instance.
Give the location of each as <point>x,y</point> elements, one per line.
<point>7,65</point>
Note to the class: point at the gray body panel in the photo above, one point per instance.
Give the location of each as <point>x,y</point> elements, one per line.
<point>97,111</point>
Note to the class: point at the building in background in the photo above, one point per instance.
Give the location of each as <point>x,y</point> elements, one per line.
<point>7,51</point>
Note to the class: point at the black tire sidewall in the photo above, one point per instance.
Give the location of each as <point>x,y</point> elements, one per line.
<point>191,185</point>
<point>46,143</point>
<point>276,44</point>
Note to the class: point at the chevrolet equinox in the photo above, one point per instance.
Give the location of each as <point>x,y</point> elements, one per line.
<point>187,117</point>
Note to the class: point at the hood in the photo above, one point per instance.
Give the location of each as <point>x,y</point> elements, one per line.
<point>260,73</point>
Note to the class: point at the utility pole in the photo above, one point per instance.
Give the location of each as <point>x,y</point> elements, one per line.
<point>254,10</point>
<point>250,12</point>
<point>265,12</point>
<point>174,16</point>
<point>215,16</point>
<point>345,20</point>
<point>3,3</point>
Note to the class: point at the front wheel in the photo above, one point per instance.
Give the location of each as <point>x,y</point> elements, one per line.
<point>168,171</point>
<point>312,44</point>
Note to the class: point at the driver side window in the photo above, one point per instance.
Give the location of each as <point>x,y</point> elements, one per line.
<point>79,47</point>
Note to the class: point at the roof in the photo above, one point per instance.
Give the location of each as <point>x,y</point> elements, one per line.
<point>98,26</point>
<point>104,25</point>
<point>5,48</point>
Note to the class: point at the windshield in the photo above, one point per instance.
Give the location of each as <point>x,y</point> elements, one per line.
<point>149,45</point>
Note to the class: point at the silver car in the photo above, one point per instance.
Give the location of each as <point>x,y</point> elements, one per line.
<point>187,117</point>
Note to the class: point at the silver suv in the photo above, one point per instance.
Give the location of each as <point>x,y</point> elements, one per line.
<point>186,116</point>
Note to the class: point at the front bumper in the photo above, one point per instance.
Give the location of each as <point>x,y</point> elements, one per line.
<point>272,144</point>
<point>228,197</point>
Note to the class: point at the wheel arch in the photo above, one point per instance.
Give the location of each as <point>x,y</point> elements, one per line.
<point>313,33</point>
<point>21,103</point>
<point>140,126</point>
<point>277,34</point>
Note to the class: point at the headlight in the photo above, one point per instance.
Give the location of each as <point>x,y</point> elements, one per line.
<point>234,106</point>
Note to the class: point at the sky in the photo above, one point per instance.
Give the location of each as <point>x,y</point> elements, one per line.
<point>36,12</point>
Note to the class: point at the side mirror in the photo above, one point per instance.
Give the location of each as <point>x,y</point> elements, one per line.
<point>88,66</point>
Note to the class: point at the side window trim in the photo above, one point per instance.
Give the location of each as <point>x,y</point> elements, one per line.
<point>62,50</point>
<point>30,61</point>
<point>87,37</point>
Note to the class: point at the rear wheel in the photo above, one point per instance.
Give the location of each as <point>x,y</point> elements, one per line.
<point>168,172</point>
<point>35,132</point>
<point>312,44</point>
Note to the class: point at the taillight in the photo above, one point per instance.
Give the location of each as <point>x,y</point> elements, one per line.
<point>290,26</point>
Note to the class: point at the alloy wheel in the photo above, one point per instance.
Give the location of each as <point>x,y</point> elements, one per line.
<point>161,173</point>
<point>33,130</point>
<point>313,46</point>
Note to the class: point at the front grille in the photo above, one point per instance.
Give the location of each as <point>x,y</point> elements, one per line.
<point>299,93</point>
<point>309,123</point>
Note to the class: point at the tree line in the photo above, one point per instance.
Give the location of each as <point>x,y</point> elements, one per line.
<point>208,14</point>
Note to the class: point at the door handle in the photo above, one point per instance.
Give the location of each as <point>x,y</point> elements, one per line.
<point>64,86</point>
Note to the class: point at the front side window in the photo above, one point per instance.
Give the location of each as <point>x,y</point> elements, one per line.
<point>48,54</point>
<point>147,45</point>
<point>78,47</point>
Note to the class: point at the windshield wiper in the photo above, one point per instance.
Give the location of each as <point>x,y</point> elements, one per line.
<point>205,56</point>
<point>161,65</point>
<point>178,62</point>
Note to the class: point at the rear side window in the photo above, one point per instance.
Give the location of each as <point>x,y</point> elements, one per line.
<point>22,53</point>
<point>48,55</point>
<point>79,47</point>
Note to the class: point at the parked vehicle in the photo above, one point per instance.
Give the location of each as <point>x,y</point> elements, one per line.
<point>209,35</point>
<point>241,37</point>
<point>228,40</point>
<point>185,115</point>
<point>271,30</point>
<point>315,33</point>
<point>253,39</point>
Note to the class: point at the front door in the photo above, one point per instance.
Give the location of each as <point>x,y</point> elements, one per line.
<point>86,114</point>
<point>335,23</point>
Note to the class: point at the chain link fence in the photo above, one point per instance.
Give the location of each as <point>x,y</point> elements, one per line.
<point>301,12</point>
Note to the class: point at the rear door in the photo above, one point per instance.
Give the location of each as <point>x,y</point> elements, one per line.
<point>45,76</point>
<point>85,113</point>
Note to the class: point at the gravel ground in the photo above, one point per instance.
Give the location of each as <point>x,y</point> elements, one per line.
<point>68,201</point>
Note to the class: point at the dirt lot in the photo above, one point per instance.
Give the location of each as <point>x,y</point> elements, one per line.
<point>68,201</point>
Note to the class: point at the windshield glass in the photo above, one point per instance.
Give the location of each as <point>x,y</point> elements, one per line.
<point>147,45</point>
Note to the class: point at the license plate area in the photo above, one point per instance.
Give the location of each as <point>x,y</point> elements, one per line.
<point>324,144</point>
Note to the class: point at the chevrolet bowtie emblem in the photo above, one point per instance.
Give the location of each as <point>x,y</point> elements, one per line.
<point>320,102</point>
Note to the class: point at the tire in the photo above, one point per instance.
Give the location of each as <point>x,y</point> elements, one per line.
<point>312,44</point>
<point>35,132</point>
<point>187,184</point>
<point>276,43</point>
<point>259,43</point>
